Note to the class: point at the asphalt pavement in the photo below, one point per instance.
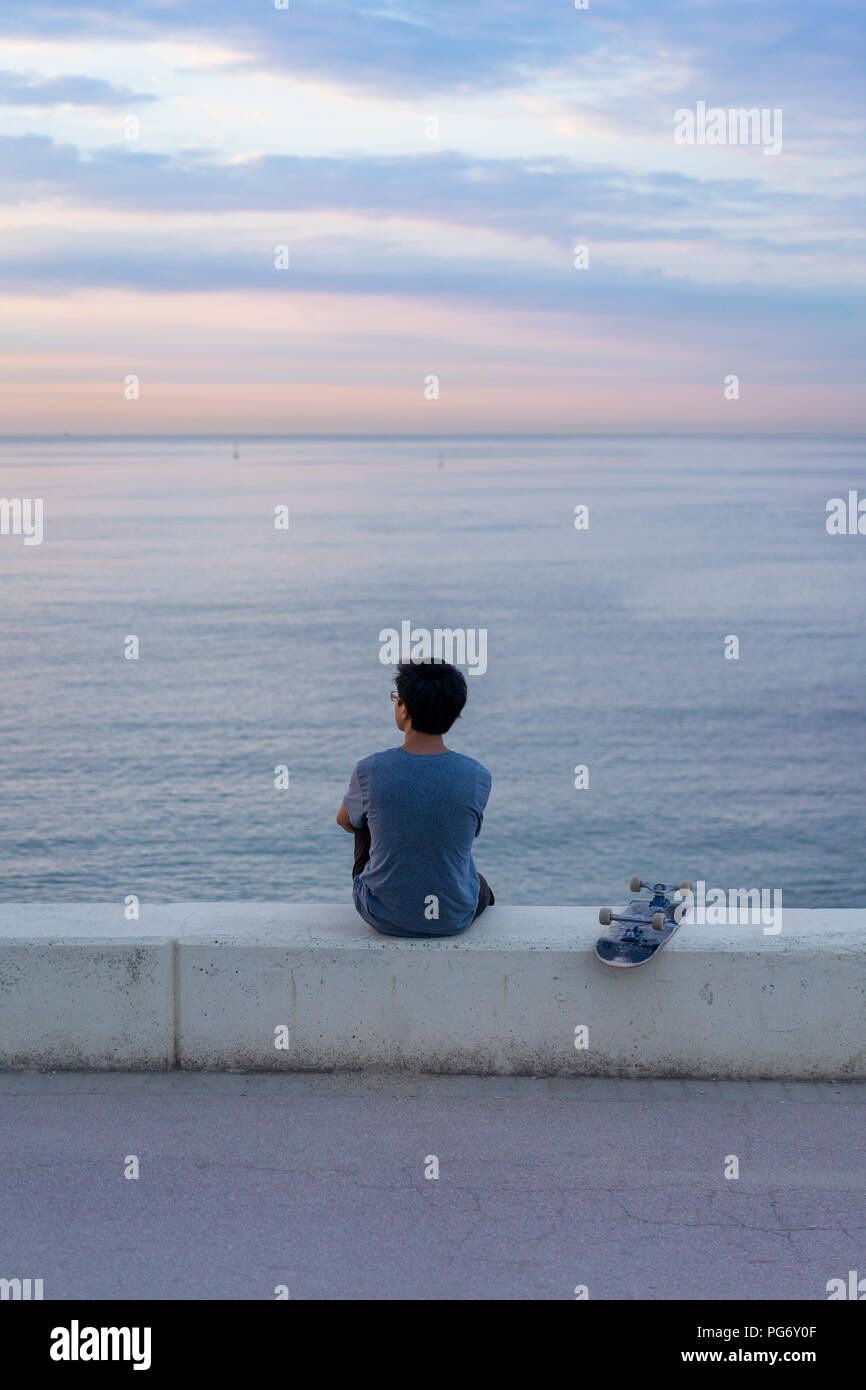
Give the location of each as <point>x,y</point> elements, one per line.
<point>252,1186</point>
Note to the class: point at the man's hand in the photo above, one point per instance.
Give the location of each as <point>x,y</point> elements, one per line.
<point>343,819</point>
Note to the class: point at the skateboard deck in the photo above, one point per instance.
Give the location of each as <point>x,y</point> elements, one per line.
<point>638,933</point>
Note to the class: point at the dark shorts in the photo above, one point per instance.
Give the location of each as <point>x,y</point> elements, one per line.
<point>485,896</point>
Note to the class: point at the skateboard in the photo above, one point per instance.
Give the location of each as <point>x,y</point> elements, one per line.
<point>637,934</point>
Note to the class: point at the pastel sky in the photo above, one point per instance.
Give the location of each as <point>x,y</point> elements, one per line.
<point>431,166</point>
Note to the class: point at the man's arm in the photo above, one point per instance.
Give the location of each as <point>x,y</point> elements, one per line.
<point>355,799</point>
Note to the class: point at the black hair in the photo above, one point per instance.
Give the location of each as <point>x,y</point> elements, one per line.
<point>433,692</point>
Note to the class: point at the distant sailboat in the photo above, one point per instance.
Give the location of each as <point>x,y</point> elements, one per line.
<point>441,460</point>
<point>235,450</point>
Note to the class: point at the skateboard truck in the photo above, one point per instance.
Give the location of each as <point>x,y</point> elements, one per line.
<point>660,902</point>
<point>635,884</point>
<point>633,932</point>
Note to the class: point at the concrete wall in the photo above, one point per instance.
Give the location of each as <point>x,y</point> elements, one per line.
<point>205,986</point>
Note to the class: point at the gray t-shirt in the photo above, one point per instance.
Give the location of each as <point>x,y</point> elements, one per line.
<point>423,811</point>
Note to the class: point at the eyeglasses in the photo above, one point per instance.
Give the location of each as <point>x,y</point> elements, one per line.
<point>394,696</point>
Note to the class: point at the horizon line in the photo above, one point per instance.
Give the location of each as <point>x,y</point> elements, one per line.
<point>535,434</point>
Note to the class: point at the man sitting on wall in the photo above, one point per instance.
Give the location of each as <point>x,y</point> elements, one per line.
<point>415,811</point>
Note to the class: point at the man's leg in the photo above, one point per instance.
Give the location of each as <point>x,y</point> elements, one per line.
<point>362,849</point>
<point>485,896</point>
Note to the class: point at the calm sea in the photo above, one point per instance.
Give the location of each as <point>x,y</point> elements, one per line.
<point>259,648</point>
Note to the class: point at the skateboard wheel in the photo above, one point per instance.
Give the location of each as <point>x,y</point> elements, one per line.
<point>634,884</point>
<point>604,916</point>
<point>659,921</point>
<point>685,886</point>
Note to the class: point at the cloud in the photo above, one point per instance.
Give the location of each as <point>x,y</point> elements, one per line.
<point>415,47</point>
<point>645,302</point>
<point>21,89</point>
<point>553,198</point>
<point>408,47</point>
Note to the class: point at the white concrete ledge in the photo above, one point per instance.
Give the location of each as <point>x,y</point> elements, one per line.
<point>205,986</point>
